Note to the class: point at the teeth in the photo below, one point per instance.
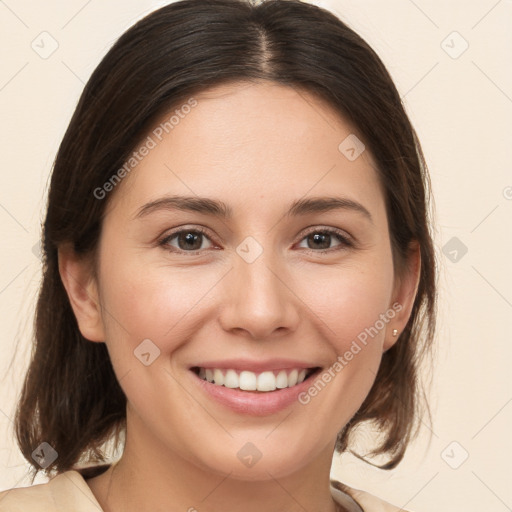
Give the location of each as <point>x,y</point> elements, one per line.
<point>218,377</point>
<point>266,382</point>
<point>231,379</point>
<point>250,381</point>
<point>282,380</point>
<point>294,377</point>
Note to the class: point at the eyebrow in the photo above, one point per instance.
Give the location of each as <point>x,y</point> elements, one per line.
<point>219,209</point>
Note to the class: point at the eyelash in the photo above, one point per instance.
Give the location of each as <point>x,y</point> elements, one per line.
<point>345,241</point>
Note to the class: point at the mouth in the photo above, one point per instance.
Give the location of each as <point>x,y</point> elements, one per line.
<point>256,382</point>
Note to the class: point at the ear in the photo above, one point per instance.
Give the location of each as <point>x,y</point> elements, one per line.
<point>80,284</point>
<point>404,294</point>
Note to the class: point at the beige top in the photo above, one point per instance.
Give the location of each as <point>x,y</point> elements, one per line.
<point>69,492</point>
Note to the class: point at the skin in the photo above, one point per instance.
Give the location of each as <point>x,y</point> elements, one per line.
<point>257,147</point>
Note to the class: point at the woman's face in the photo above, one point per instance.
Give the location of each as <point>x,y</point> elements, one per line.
<point>267,287</point>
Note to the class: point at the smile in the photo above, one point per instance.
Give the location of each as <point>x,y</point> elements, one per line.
<point>250,381</point>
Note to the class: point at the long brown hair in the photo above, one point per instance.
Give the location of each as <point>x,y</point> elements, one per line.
<point>71,398</point>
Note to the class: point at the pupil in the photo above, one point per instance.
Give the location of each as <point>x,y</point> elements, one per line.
<point>322,237</point>
<point>191,238</point>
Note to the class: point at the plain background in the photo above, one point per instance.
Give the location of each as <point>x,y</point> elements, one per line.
<point>451,64</point>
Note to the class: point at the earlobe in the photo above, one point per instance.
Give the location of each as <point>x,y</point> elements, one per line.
<point>404,295</point>
<point>81,287</point>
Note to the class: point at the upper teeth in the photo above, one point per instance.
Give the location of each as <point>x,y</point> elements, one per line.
<point>250,381</point>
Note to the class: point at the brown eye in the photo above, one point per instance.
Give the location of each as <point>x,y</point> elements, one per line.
<point>321,240</point>
<point>187,240</point>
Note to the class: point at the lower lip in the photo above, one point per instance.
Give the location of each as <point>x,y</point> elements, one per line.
<point>252,402</point>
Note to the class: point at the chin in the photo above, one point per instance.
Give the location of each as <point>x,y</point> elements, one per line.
<point>252,465</point>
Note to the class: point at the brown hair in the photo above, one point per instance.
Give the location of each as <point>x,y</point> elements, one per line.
<point>71,398</point>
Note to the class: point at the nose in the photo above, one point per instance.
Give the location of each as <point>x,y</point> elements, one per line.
<point>259,300</point>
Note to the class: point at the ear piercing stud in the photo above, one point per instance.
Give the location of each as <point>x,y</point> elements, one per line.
<point>395,332</point>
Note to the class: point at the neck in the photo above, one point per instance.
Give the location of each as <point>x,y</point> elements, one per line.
<point>149,477</point>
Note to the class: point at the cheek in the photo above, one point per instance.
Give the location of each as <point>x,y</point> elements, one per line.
<point>352,311</point>
<point>353,303</point>
<point>160,303</point>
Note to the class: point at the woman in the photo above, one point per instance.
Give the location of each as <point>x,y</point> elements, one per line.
<point>238,270</point>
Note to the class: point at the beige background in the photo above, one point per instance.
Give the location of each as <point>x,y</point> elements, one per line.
<point>461,105</point>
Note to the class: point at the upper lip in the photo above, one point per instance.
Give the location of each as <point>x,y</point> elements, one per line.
<point>255,366</point>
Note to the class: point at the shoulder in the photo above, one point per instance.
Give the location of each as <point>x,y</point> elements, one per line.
<point>63,493</point>
<point>367,502</point>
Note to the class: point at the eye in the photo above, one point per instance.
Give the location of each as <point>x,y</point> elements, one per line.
<point>191,240</point>
<point>320,240</point>
<point>188,240</point>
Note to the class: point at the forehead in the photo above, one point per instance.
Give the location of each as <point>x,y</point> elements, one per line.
<point>250,144</point>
